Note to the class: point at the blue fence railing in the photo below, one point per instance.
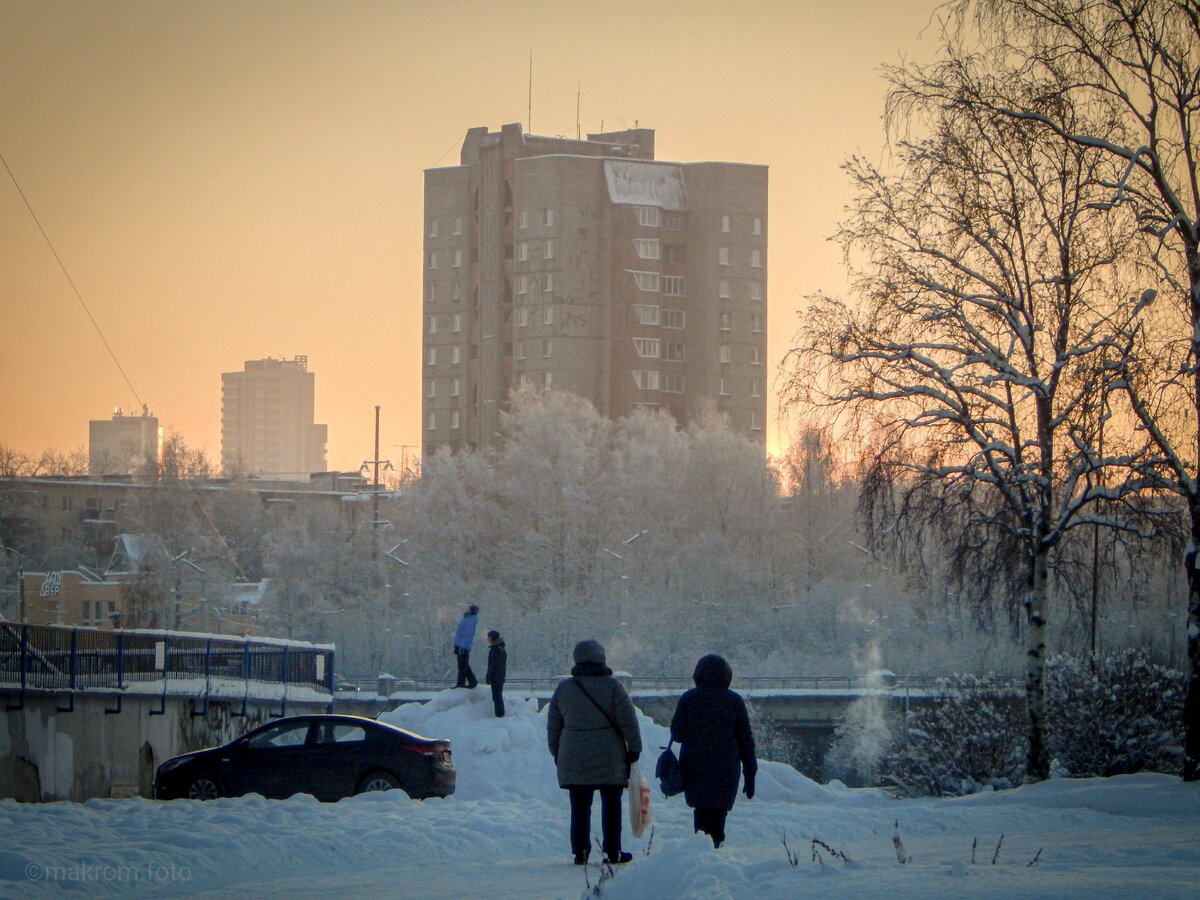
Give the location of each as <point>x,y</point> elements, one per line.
<point>68,659</point>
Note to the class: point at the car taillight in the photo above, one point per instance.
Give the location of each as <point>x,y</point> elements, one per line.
<point>422,749</point>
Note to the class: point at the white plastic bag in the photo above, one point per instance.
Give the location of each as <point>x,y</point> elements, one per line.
<point>640,813</point>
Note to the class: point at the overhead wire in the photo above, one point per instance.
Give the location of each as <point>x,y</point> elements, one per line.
<point>70,280</point>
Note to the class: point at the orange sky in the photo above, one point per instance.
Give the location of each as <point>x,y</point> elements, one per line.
<point>232,180</point>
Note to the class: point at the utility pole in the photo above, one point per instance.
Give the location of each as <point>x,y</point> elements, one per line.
<point>376,462</point>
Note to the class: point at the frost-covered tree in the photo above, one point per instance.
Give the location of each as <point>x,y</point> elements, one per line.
<point>1133,65</point>
<point>978,354</point>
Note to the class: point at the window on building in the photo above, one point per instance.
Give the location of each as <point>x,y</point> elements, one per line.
<point>757,225</point>
<point>523,251</point>
<point>647,281</point>
<point>546,381</point>
<point>756,323</point>
<point>548,250</point>
<point>455,355</point>
<point>457,225</point>
<point>522,284</point>
<point>672,350</point>
<point>723,256</point>
<point>456,322</point>
<point>673,318</point>
<point>646,381</point>
<point>431,292</point>
<point>87,612</point>
<point>455,290</point>
<point>755,420</point>
<point>724,354</point>
<point>523,219</point>
<point>674,221</point>
<point>431,388</point>
<point>432,228</point>
<point>432,259</point>
<point>755,387</point>
<point>431,356</point>
<point>453,387</point>
<point>722,389</point>
<point>756,290</point>
<point>548,315</point>
<point>548,218</point>
<point>756,259</point>
<point>673,384</point>
<point>453,419</point>
<point>723,289</point>
<point>433,324</point>
<point>431,421</point>
<point>647,248</point>
<point>548,283</point>
<point>756,356</point>
<point>520,349</point>
<point>647,216</point>
<point>726,321</point>
<point>725,223</point>
<point>647,315</point>
<point>547,347</point>
<point>457,259</point>
<point>522,316</point>
<point>672,285</point>
<point>647,348</point>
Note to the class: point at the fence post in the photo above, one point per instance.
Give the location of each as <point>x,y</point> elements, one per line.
<point>24,668</point>
<point>70,707</point>
<point>120,674</point>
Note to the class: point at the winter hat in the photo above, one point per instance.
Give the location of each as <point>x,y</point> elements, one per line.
<point>712,671</point>
<point>494,635</point>
<point>589,652</point>
<point>473,609</point>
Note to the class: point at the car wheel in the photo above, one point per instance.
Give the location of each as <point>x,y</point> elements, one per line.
<point>377,781</point>
<point>204,787</point>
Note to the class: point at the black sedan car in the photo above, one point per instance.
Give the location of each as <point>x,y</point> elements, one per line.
<point>328,756</point>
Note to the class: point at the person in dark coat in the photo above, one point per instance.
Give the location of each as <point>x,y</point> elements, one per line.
<point>593,735</point>
<point>464,637</point>
<point>496,670</point>
<point>716,746</point>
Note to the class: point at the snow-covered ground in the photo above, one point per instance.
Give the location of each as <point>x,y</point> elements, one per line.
<point>504,834</point>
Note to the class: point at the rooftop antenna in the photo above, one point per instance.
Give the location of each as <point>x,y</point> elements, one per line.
<point>530,118</point>
<point>578,88</point>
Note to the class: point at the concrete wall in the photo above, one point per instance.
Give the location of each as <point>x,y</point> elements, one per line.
<point>47,754</point>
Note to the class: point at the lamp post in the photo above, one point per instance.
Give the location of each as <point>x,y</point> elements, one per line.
<point>20,582</point>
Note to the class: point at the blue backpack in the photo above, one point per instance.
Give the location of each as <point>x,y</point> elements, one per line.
<point>668,772</point>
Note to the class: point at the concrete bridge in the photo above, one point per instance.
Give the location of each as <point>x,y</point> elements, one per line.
<point>92,712</point>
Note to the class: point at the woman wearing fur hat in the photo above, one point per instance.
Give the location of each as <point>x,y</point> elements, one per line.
<point>715,746</point>
<point>593,735</point>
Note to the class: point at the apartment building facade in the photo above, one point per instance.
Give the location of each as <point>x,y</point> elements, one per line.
<point>589,266</point>
<point>267,427</point>
<point>125,445</point>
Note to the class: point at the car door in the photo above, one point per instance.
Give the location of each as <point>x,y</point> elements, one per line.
<point>275,761</point>
<point>340,755</point>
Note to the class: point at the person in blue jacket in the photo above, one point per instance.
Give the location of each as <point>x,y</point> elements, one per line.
<point>464,637</point>
<point>716,746</point>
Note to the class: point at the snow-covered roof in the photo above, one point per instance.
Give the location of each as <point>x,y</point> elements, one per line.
<point>641,183</point>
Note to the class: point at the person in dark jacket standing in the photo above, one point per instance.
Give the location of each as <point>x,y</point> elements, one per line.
<point>464,637</point>
<point>496,670</point>
<point>716,746</point>
<point>593,734</point>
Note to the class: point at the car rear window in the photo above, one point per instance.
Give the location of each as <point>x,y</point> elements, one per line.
<point>341,733</point>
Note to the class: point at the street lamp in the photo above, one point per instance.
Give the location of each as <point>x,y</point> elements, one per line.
<point>20,581</point>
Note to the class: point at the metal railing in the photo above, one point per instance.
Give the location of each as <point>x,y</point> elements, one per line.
<point>69,659</point>
<point>680,683</point>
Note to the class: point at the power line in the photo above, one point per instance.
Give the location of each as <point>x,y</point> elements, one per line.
<point>70,281</point>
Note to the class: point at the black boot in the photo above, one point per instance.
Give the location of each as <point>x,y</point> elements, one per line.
<point>619,858</point>
<point>582,858</point>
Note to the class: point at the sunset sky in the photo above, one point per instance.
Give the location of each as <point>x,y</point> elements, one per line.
<point>226,181</point>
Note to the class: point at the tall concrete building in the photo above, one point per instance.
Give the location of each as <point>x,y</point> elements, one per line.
<point>267,427</point>
<point>125,445</point>
<point>588,266</point>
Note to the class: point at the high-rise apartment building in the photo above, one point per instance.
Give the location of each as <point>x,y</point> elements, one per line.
<point>125,445</point>
<point>588,266</point>
<point>267,413</point>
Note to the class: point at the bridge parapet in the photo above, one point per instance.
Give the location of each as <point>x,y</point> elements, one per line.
<point>66,660</point>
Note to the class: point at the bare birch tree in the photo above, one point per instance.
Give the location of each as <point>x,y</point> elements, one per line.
<point>1135,65</point>
<point>977,355</point>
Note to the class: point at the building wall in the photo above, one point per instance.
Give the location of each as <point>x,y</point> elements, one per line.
<point>124,445</point>
<point>565,264</point>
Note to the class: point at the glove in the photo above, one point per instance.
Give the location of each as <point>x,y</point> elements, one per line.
<point>748,787</point>
<point>631,756</point>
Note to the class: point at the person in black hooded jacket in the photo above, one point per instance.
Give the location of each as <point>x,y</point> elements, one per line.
<point>716,746</point>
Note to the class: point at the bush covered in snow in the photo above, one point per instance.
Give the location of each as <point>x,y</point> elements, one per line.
<point>1125,717</point>
<point>971,738</point>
